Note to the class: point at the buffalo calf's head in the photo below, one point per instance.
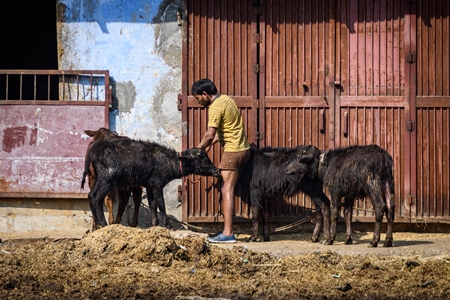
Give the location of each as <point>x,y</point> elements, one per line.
<point>306,162</point>
<point>100,134</point>
<point>196,161</point>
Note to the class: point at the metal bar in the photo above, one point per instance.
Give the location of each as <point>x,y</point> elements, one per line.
<point>7,85</point>
<point>78,88</point>
<point>90,82</point>
<point>48,86</point>
<point>20,87</point>
<point>64,88</point>
<point>34,85</point>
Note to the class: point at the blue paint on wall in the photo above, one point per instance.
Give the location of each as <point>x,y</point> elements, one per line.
<point>120,36</point>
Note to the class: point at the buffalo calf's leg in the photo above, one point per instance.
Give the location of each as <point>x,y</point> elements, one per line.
<point>318,226</point>
<point>152,207</point>
<point>124,195</point>
<point>255,224</point>
<point>379,213</point>
<point>159,198</point>
<point>109,204</point>
<point>390,205</point>
<point>334,218</point>
<point>96,198</point>
<point>137,196</point>
<point>348,213</point>
<point>265,221</point>
<point>322,205</point>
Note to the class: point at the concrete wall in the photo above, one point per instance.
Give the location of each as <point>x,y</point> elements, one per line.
<point>139,42</point>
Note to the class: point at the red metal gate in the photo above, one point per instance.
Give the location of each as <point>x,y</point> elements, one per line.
<point>43,115</point>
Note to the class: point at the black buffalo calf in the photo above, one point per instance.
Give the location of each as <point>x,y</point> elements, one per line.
<point>357,172</point>
<point>265,178</point>
<point>131,163</point>
<point>123,194</point>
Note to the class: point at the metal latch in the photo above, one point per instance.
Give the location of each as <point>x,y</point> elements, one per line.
<point>411,57</point>
<point>410,125</point>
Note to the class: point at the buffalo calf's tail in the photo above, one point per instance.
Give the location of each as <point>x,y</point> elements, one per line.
<point>388,161</point>
<point>87,162</point>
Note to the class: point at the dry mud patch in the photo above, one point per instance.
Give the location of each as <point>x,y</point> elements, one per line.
<point>119,262</point>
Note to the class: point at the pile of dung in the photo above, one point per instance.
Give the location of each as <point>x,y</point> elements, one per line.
<point>118,262</point>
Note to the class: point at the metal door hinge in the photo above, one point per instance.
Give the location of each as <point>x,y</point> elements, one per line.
<point>257,37</point>
<point>411,57</point>
<point>257,68</point>
<point>256,135</point>
<point>256,103</point>
<point>180,102</point>
<point>410,125</point>
<point>180,193</point>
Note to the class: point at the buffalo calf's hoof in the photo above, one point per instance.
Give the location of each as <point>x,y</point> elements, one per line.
<point>251,239</point>
<point>326,242</point>
<point>314,239</point>
<point>373,244</point>
<point>348,241</point>
<point>387,243</point>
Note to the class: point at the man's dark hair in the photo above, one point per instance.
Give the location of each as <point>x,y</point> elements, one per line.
<point>203,85</point>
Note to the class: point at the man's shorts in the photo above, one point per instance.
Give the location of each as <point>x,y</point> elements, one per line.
<point>234,160</point>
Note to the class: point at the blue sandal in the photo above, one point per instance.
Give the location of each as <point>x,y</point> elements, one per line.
<point>221,238</point>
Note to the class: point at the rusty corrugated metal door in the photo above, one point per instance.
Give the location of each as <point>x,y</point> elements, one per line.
<point>432,199</point>
<point>297,101</point>
<point>219,44</point>
<point>372,106</point>
<point>43,115</point>
<point>334,74</point>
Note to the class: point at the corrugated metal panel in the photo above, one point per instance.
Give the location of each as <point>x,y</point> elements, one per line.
<point>339,73</point>
<point>297,56</point>
<point>42,123</point>
<point>371,102</point>
<point>433,110</point>
<point>219,45</point>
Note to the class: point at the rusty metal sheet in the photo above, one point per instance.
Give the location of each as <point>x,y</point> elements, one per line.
<point>372,106</point>
<point>333,74</point>
<point>229,61</point>
<point>432,127</point>
<point>43,115</point>
<point>43,146</point>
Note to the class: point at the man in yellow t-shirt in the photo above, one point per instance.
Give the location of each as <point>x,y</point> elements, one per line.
<point>225,124</point>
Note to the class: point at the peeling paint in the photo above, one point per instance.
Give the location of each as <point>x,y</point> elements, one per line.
<point>139,42</point>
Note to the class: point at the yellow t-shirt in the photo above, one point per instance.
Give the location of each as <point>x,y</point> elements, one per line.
<point>224,115</point>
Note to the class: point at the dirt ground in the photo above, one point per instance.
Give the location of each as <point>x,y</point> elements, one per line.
<point>119,262</point>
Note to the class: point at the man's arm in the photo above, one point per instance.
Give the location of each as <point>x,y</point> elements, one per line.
<point>208,138</point>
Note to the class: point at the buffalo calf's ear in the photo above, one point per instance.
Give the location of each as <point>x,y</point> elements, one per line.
<point>323,158</point>
<point>182,158</point>
<point>307,158</point>
<point>90,133</point>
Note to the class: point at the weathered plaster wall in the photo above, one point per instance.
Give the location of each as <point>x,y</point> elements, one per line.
<point>139,42</point>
